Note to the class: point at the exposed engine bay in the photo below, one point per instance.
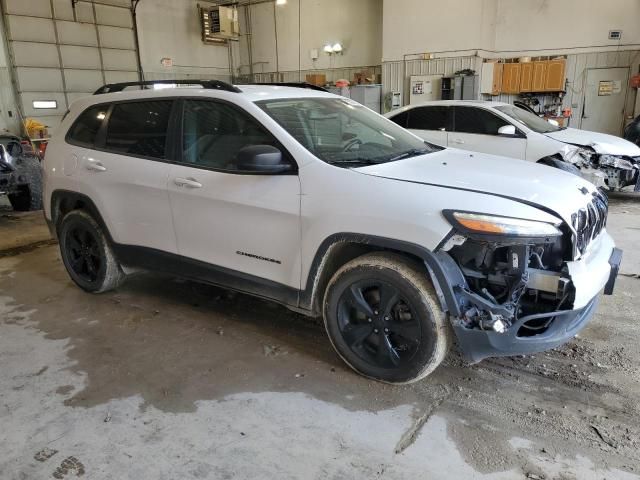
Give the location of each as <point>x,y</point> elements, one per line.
<point>508,281</point>
<point>612,171</point>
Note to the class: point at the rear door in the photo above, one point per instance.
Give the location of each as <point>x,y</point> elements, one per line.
<point>240,221</point>
<point>476,129</point>
<point>122,164</point>
<point>430,123</point>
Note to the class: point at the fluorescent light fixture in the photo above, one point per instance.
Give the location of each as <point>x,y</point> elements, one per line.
<point>328,49</point>
<point>337,48</point>
<point>281,2</point>
<point>50,104</point>
<point>160,86</point>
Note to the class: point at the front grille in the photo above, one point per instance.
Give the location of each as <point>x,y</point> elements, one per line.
<point>588,222</point>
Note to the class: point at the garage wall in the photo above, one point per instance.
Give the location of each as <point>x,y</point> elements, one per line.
<point>62,53</point>
<point>536,25</point>
<point>171,29</point>
<point>497,27</point>
<point>8,110</point>
<point>412,26</point>
<point>303,25</point>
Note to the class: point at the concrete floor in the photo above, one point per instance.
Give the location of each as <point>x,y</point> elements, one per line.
<point>166,379</point>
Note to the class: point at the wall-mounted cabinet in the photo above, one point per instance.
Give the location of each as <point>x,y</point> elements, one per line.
<point>511,77</point>
<point>538,76</point>
<point>527,77</point>
<point>491,79</point>
<point>554,75</point>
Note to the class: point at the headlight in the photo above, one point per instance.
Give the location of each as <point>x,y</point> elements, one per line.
<point>481,223</point>
<point>616,162</point>
<point>576,155</point>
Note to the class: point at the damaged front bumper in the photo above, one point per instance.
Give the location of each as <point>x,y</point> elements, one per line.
<point>594,271</point>
<point>477,345</point>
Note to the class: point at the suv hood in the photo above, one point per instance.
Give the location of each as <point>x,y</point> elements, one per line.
<point>520,180</point>
<point>602,143</point>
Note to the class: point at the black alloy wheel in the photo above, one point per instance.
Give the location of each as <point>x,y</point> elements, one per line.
<point>383,317</point>
<point>84,254</point>
<point>378,324</point>
<point>87,254</point>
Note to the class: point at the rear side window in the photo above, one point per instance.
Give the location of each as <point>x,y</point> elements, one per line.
<point>401,119</point>
<point>139,128</point>
<point>429,118</point>
<point>477,120</point>
<point>85,129</point>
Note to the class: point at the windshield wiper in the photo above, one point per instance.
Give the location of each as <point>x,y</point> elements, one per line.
<point>362,161</point>
<point>409,153</point>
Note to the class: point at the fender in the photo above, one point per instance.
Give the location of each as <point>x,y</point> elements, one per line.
<point>443,270</point>
<point>74,200</point>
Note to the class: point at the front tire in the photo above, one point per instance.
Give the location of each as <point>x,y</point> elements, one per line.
<point>384,319</point>
<point>87,255</point>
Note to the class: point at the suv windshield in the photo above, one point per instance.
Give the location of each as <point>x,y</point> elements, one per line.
<point>343,132</point>
<point>534,122</point>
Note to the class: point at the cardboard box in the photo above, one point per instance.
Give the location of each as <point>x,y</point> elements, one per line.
<point>364,76</point>
<point>318,79</point>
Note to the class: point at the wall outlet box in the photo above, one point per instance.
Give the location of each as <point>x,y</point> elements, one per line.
<point>615,34</point>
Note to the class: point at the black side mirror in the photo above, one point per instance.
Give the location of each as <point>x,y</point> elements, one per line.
<point>262,159</point>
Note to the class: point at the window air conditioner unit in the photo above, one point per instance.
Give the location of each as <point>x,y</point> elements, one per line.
<point>219,24</point>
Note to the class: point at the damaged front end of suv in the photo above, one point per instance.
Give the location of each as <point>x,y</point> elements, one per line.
<point>515,279</point>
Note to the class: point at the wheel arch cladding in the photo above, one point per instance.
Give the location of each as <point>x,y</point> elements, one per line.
<point>340,248</point>
<point>64,201</point>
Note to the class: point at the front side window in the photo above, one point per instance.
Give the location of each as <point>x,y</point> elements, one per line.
<point>343,132</point>
<point>531,120</point>
<point>214,133</point>
<point>139,128</point>
<point>477,120</point>
<point>429,118</point>
<point>85,129</point>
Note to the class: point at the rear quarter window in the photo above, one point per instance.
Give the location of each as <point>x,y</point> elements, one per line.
<point>139,128</point>
<point>84,130</point>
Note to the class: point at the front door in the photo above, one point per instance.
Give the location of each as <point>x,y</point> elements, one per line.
<point>431,123</point>
<point>241,222</point>
<point>476,129</point>
<point>604,100</point>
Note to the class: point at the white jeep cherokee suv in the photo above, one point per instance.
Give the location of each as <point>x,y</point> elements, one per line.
<point>316,202</point>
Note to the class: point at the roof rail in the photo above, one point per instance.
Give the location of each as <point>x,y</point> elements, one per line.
<point>310,86</point>
<point>208,84</point>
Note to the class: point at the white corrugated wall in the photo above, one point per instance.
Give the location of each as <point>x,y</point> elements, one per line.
<point>332,74</point>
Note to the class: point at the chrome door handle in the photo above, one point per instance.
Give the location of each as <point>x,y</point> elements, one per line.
<point>458,141</point>
<point>187,182</point>
<point>95,165</point>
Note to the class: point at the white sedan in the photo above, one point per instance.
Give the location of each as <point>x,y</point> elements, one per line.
<point>510,131</point>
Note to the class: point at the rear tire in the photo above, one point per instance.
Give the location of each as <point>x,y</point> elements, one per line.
<point>29,196</point>
<point>87,255</point>
<point>384,319</point>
